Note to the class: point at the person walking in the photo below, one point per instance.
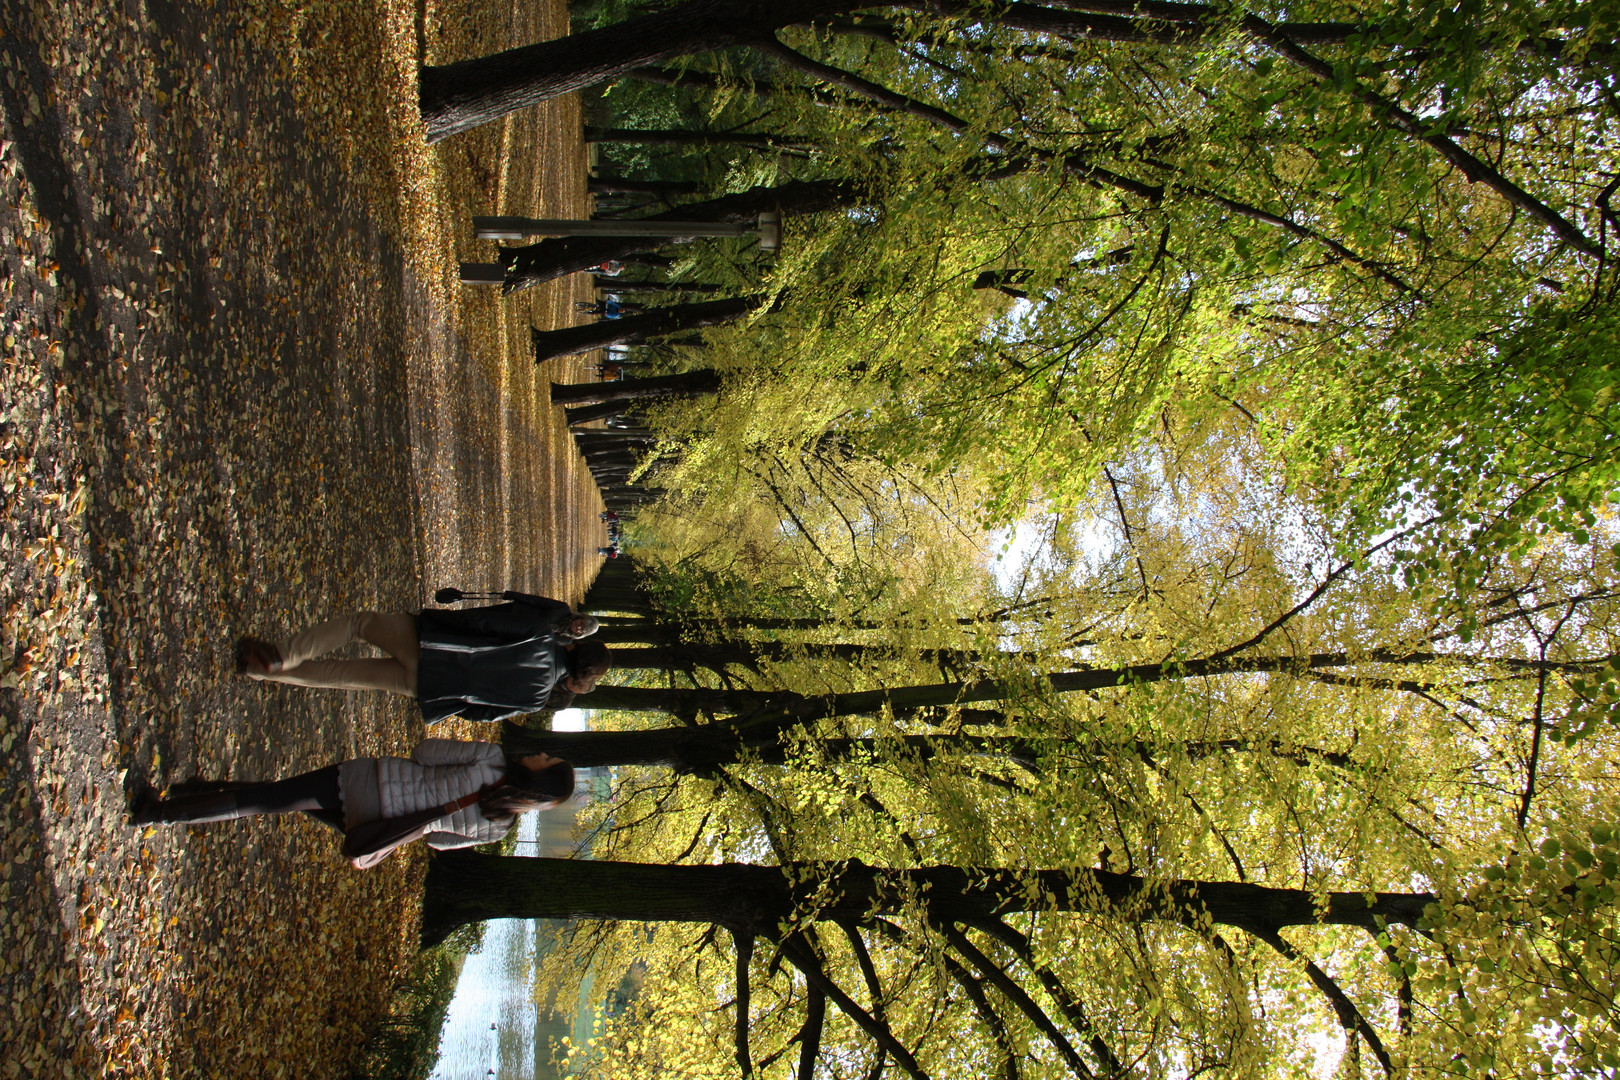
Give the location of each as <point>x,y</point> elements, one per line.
<point>562,619</point>
<point>483,663</point>
<point>450,793</point>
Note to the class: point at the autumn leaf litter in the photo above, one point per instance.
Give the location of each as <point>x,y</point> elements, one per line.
<point>241,390</point>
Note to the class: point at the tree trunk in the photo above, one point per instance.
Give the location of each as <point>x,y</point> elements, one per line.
<point>748,653</point>
<point>775,709</point>
<point>679,137</point>
<point>470,93</point>
<point>619,185</point>
<point>461,96</point>
<point>683,384</point>
<point>553,258</point>
<point>704,747</point>
<point>638,632</point>
<point>465,887</point>
<point>614,285</point>
<point>634,449</point>
<point>552,344</point>
<point>586,414</point>
<point>668,629</point>
<point>618,588</point>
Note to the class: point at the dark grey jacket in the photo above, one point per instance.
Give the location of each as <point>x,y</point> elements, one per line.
<point>489,663</point>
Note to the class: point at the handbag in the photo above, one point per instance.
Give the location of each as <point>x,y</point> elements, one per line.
<point>372,841</point>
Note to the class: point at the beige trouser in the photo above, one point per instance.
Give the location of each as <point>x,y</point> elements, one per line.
<point>393,634</point>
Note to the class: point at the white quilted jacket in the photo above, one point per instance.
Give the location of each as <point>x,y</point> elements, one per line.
<point>440,771</point>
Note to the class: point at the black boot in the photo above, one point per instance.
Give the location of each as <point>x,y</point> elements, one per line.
<point>197,785</point>
<point>196,807</point>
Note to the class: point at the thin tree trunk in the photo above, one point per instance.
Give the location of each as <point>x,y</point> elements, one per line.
<point>620,185</point>
<point>460,96</point>
<point>589,413</point>
<point>675,137</point>
<point>705,747</point>
<point>614,285</point>
<point>777,708</point>
<point>534,264</point>
<point>749,653</point>
<point>683,384</point>
<point>618,588</point>
<point>674,319</point>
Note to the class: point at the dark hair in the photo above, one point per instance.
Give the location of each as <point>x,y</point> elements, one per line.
<point>523,789</point>
<point>589,660</point>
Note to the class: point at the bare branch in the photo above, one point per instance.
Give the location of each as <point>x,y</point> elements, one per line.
<point>1542,641</point>
<point>1130,541</point>
<point>974,989</point>
<point>1403,989</point>
<point>863,960</point>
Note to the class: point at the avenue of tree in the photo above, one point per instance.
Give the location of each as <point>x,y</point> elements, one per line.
<point>1273,350</point>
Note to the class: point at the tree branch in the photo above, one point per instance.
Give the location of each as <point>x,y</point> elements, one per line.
<point>810,967</point>
<point>1316,593</point>
<point>1130,541</point>
<point>745,954</point>
<point>1472,168</point>
<point>1403,989</point>
<point>1350,1017</point>
<point>992,973</point>
<point>815,1019</point>
<point>1070,1005</point>
<point>974,989</point>
<point>1077,164</point>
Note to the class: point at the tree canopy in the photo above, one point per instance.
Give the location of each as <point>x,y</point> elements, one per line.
<point>1275,350</point>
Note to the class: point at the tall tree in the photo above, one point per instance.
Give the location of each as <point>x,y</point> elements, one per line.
<point>535,264</point>
<point>635,329</point>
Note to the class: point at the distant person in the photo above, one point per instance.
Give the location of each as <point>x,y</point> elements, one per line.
<point>611,552</point>
<point>611,308</point>
<point>608,515</point>
<point>452,794</point>
<point>483,663</point>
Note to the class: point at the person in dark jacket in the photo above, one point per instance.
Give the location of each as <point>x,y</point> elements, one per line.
<point>564,622</point>
<point>483,663</point>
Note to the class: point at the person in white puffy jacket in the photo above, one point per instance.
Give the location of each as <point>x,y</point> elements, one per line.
<point>450,793</point>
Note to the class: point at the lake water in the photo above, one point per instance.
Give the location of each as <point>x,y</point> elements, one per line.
<point>494,1030</point>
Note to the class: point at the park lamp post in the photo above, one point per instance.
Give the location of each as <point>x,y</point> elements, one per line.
<point>768,227</point>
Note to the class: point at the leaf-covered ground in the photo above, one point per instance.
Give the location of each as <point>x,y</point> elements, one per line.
<point>241,390</point>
